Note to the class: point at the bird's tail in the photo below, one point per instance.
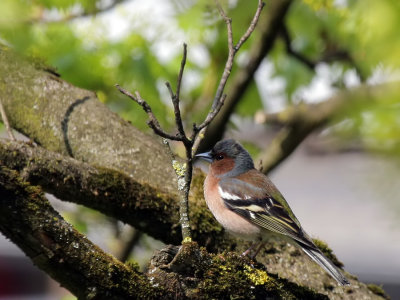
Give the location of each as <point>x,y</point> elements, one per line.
<point>325,263</point>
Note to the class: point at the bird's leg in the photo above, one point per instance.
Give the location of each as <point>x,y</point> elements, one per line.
<point>261,245</point>
<point>245,253</point>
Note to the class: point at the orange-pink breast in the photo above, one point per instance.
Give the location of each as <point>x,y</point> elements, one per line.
<point>231,221</point>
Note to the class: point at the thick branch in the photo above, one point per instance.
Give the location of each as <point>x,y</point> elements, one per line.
<point>111,192</point>
<point>27,218</point>
<point>71,121</point>
<point>108,191</point>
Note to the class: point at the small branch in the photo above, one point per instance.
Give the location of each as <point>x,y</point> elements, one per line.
<point>252,26</point>
<point>130,244</point>
<point>153,122</point>
<point>330,56</point>
<point>213,113</point>
<point>271,23</point>
<point>233,49</point>
<point>6,123</point>
<point>184,180</point>
<point>184,171</point>
<point>176,97</point>
<point>228,22</point>
<point>199,131</point>
<point>289,49</point>
<point>180,76</point>
<point>78,15</point>
<point>219,98</point>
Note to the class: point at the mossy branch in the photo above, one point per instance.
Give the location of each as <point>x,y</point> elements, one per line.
<point>111,192</point>
<point>28,219</point>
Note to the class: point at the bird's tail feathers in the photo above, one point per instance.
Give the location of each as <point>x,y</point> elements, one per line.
<point>326,264</point>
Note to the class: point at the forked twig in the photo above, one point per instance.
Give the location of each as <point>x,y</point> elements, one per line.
<point>219,97</point>
<point>184,171</point>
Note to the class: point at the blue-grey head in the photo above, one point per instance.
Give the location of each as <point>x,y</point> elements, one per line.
<point>228,158</point>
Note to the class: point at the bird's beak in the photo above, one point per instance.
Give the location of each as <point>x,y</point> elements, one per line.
<point>206,156</point>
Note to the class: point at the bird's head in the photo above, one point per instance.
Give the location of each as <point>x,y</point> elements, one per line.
<point>228,158</point>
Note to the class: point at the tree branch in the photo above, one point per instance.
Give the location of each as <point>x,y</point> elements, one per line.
<point>74,16</point>
<point>153,122</point>
<point>299,121</point>
<point>108,191</point>
<point>130,244</point>
<point>72,121</point>
<point>289,49</point>
<point>184,171</point>
<point>219,98</point>
<point>270,25</point>
<point>329,56</point>
<point>27,218</point>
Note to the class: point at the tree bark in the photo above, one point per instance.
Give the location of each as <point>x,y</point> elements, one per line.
<point>28,220</point>
<point>71,121</point>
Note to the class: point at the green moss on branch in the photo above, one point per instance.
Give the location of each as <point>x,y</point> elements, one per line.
<point>28,220</point>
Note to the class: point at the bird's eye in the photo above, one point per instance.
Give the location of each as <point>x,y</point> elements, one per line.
<point>219,156</point>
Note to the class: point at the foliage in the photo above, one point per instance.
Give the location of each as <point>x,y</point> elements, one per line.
<point>352,36</point>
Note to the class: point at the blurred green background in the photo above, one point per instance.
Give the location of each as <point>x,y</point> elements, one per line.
<point>139,47</point>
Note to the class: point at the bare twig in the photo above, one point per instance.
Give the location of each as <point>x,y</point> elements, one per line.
<point>219,98</point>
<point>184,171</point>
<point>6,123</point>
<point>175,97</point>
<point>213,113</point>
<point>271,23</point>
<point>233,48</point>
<point>153,122</point>
<point>183,63</point>
<point>201,129</point>
<point>252,26</point>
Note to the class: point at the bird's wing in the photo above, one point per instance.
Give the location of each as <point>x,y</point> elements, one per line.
<point>253,204</point>
<point>256,199</point>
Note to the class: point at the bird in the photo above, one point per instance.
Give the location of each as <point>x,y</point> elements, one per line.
<point>248,205</point>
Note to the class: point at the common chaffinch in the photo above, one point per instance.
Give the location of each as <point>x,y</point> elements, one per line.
<point>248,205</point>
